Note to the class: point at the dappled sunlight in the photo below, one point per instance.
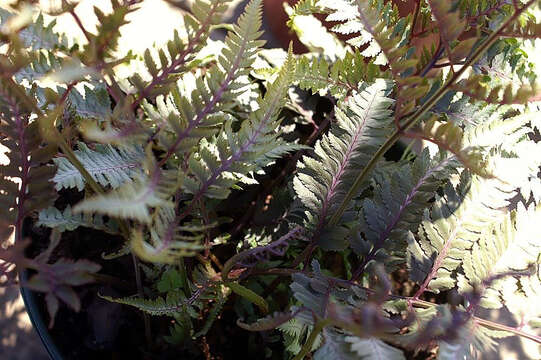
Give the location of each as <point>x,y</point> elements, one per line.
<point>18,340</point>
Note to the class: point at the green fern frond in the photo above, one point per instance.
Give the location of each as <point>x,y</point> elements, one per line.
<point>40,62</point>
<point>107,166</point>
<point>68,221</point>
<point>102,45</point>
<point>174,302</point>
<point>363,124</point>
<point>92,103</point>
<point>304,7</point>
<point>37,35</point>
<point>527,29</point>
<point>340,78</point>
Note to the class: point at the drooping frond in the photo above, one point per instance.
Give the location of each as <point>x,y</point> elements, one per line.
<point>362,126</point>
<point>449,137</point>
<point>107,166</point>
<point>394,213</point>
<point>68,221</point>
<point>230,157</point>
<point>132,200</point>
<point>168,241</point>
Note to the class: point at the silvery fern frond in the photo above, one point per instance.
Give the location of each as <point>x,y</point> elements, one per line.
<point>107,165</point>
<point>363,123</point>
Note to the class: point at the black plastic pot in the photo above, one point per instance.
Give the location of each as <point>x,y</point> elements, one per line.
<point>38,320</point>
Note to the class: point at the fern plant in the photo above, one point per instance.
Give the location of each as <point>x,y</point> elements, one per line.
<point>257,192</point>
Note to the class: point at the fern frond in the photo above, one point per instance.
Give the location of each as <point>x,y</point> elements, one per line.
<point>512,246</point>
<point>449,23</point>
<point>267,323</point>
<point>340,78</point>
<point>528,29</point>
<point>450,230</point>
<point>188,119</point>
<point>168,241</point>
<point>449,137</point>
<point>28,160</point>
<point>40,62</point>
<point>198,25</point>
<point>174,302</point>
<point>68,221</point>
<point>37,35</point>
<point>374,349</point>
<point>232,156</point>
<point>318,39</point>
<point>362,126</point>
<point>129,201</point>
<point>478,89</point>
<point>93,103</point>
<point>305,7</point>
<point>102,45</point>
<point>389,219</point>
<point>107,165</point>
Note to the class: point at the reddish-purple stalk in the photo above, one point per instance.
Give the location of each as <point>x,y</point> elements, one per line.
<point>20,125</point>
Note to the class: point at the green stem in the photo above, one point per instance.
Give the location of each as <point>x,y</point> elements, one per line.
<point>248,295</point>
<point>415,117</point>
<point>307,347</point>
